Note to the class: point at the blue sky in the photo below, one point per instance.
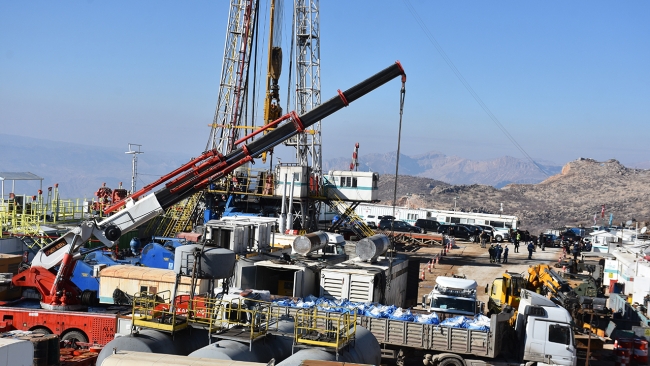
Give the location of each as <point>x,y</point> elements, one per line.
<point>565,79</point>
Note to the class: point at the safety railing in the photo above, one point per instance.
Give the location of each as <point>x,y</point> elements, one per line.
<point>23,214</point>
<point>253,315</point>
<point>346,211</point>
<point>153,310</point>
<point>182,215</point>
<point>255,182</point>
<point>324,329</point>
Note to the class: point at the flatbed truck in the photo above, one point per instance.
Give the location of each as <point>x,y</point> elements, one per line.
<point>542,335</point>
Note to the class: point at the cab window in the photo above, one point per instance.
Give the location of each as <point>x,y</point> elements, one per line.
<point>559,334</point>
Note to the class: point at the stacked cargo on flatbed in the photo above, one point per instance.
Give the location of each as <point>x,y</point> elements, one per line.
<point>439,338</point>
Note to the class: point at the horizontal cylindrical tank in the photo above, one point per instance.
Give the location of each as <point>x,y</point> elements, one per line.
<point>213,262</point>
<point>308,243</point>
<point>277,347</point>
<point>126,358</point>
<point>370,248</point>
<point>364,350</point>
<point>153,341</point>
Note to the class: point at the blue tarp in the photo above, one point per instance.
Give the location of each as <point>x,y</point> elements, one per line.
<point>374,310</point>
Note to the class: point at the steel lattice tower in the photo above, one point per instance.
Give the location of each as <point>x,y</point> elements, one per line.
<point>307,40</point>
<point>233,88</point>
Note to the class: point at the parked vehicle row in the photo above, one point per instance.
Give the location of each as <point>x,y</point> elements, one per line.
<point>462,231</point>
<point>397,225</point>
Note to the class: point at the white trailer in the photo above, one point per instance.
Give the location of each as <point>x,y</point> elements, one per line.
<point>410,215</point>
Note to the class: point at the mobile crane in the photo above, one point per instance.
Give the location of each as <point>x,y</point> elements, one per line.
<point>50,270</point>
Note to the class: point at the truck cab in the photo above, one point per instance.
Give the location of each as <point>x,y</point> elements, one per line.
<point>453,295</point>
<point>544,330</point>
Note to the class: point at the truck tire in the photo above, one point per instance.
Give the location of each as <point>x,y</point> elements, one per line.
<point>451,361</point>
<point>74,336</point>
<point>41,330</point>
<point>498,238</point>
<point>472,238</point>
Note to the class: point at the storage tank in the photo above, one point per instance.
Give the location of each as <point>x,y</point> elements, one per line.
<point>308,243</point>
<point>126,358</point>
<point>364,350</point>
<point>273,346</point>
<point>153,341</point>
<point>370,248</point>
<point>213,263</point>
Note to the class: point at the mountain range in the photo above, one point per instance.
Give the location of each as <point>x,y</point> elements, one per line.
<point>573,197</point>
<point>453,169</point>
<point>568,195</point>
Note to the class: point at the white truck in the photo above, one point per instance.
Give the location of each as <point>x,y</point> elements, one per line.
<point>453,296</point>
<point>542,335</point>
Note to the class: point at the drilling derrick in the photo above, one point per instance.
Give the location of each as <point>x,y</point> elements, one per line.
<point>234,70</point>
<point>308,143</point>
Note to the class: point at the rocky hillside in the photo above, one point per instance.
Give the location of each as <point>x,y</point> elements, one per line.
<point>571,197</point>
<point>452,169</point>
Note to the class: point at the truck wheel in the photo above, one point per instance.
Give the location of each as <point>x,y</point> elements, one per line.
<point>498,238</point>
<point>41,330</point>
<point>472,238</point>
<point>74,336</point>
<point>451,361</point>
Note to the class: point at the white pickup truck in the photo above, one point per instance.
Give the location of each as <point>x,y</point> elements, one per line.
<point>498,234</point>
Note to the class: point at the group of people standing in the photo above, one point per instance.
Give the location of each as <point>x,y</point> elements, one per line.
<point>499,254</point>
<point>497,251</point>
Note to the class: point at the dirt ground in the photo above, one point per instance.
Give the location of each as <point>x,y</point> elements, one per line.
<point>471,260</point>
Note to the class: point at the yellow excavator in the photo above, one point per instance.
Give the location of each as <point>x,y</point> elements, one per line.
<point>564,289</point>
<point>505,292</point>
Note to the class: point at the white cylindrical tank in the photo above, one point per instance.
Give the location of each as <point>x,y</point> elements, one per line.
<point>276,347</point>
<point>153,341</point>
<point>364,350</point>
<point>213,263</point>
<point>127,358</point>
<point>308,243</point>
<point>370,248</point>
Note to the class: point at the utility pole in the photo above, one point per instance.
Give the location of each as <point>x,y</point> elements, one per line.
<point>134,169</point>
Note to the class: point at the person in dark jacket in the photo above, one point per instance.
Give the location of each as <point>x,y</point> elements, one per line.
<point>531,247</point>
<point>576,251</point>
<point>499,250</point>
<point>505,254</point>
<point>492,252</point>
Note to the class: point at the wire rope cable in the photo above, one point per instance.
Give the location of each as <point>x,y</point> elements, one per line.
<point>469,88</point>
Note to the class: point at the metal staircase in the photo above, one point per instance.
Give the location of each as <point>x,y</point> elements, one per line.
<point>349,216</point>
<point>187,212</point>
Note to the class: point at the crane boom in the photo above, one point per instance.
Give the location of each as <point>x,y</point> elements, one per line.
<point>58,292</point>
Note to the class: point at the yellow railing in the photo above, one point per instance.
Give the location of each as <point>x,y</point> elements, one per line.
<point>217,315</point>
<point>154,311</point>
<point>325,329</point>
<point>255,182</point>
<point>180,215</point>
<point>254,315</point>
<point>26,214</point>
